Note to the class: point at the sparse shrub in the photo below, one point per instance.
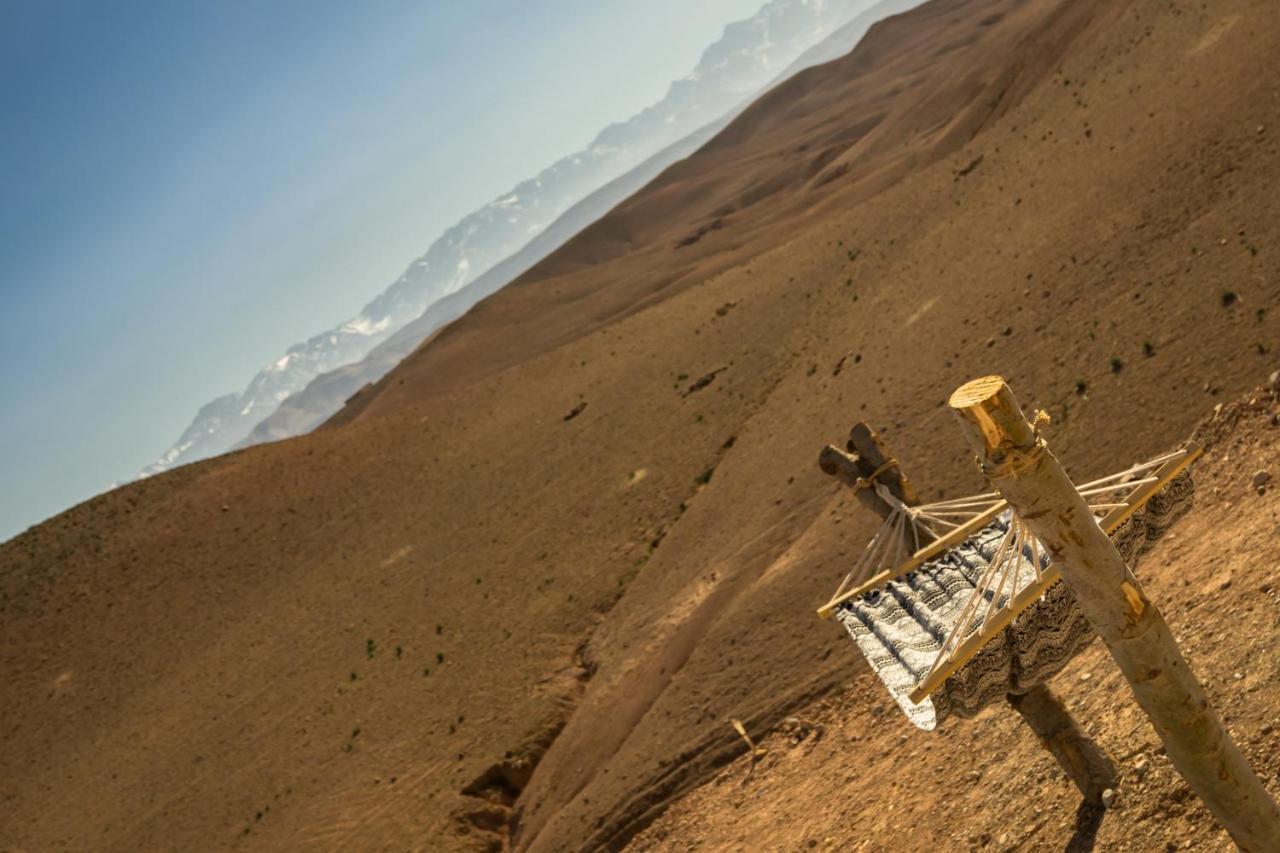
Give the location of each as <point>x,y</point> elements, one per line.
<point>705,477</point>
<point>354,676</point>
<point>1229,298</point>
<point>1148,349</point>
<point>1081,387</point>
<point>1260,314</point>
<point>1116,364</point>
<point>399,652</point>
<point>369,647</point>
<point>439,657</point>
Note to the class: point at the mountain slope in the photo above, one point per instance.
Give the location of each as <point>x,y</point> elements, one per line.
<point>772,171</point>
<point>746,57</point>
<point>326,394</point>
<point>519,606</point>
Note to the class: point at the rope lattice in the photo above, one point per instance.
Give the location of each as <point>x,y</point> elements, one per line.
<point>907,530</point>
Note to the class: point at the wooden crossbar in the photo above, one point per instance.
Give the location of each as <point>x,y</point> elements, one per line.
<point>930,551</point>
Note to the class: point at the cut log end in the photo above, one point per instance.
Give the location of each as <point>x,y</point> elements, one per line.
<point>976,391</point>
<point>990,414</point>
<point>834,462</point>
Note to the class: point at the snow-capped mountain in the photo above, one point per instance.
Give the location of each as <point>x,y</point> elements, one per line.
<point>747,57</point>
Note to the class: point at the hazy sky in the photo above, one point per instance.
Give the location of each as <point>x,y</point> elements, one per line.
<point>191,187</point>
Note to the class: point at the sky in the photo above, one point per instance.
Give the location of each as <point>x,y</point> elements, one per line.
<point>189,188</point>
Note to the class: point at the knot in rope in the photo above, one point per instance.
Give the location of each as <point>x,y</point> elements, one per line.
<point>868,482</point>
<point>1010,461</point>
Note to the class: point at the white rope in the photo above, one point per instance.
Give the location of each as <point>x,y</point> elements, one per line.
<point>1103,490</point>
<point>1149,464</point>
<point>867,553</point>
<point>961,503</point>
<point>1001,570</point>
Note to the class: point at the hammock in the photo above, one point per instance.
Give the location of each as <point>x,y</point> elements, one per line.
<point>957,604</point>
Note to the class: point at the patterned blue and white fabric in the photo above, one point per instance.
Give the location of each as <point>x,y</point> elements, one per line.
<point>900,627</point>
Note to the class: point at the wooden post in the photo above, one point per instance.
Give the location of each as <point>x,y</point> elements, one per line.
<point>1031,479</point>
<point>867,456</point>
<point>1079,757</point>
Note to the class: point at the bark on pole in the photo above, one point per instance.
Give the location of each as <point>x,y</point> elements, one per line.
<point>1032,480</point>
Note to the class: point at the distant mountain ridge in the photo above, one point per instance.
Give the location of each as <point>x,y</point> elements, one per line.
<point>748,56</point>
<point>326,394</point>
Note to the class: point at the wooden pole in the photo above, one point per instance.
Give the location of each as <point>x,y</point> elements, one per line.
<point>1031,479</point>
<point>865,457</point>
<point>1080,758</point>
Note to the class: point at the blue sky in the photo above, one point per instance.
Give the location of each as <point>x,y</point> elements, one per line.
<point>191,187</point>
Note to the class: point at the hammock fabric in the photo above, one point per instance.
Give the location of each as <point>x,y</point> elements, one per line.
<point>900,627</point>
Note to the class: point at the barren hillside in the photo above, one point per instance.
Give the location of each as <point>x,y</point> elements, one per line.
<point>512,594</point>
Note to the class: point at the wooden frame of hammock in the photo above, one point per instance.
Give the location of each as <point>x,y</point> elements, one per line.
<point>1029,594</point>
<point>954,537</point>
<point>1025,597</point>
